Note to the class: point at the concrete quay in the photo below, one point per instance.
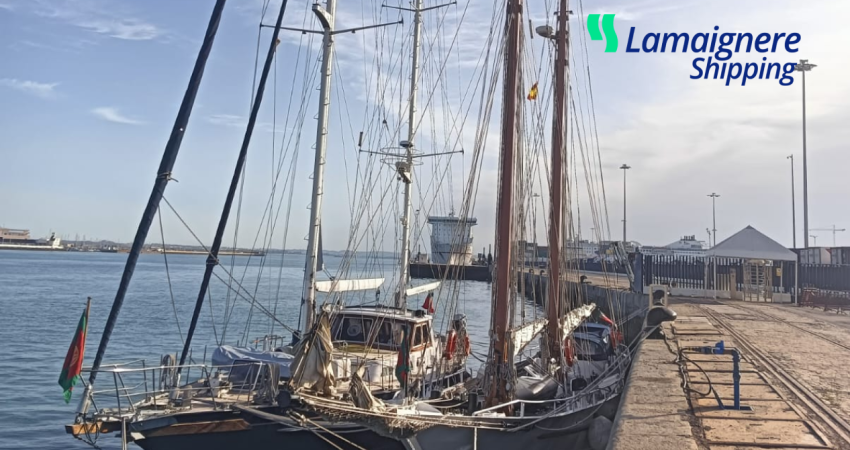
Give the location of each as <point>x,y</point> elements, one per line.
<point>793,376</point>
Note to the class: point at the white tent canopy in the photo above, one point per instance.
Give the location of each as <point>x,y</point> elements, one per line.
<point>750,243</point>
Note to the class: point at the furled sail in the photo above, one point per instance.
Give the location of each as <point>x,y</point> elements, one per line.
<point>526,333</point>
<point>311,365</point>
<point>574,318</point>
<point>423,288</point>
<point>363,284</point>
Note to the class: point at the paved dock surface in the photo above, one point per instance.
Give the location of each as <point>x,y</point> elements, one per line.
<point>793,375</point>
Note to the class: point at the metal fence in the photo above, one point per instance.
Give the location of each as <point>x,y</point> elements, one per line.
<point>825,276</point>
<point>695,272</point>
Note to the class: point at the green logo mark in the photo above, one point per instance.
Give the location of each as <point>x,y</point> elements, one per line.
<point>607,28</point>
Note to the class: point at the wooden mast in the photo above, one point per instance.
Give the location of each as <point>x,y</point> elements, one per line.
<point>556,205</point>
<point>502,358</point>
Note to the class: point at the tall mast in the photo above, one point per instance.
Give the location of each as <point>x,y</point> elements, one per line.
<point>407,167</point>
<point>308,301</point>
<point>212,258</point>
<point>308,292</point>
<point>553,306</point>
<point>501,358</point>
<point>163,176</point>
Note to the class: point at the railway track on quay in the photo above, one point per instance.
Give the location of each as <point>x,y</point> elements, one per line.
<point>790,324</point>
<point>828,417</point>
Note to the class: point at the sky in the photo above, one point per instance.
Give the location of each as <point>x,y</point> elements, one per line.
<point>90,89</point>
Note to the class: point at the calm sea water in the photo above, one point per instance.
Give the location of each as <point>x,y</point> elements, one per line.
<point>43,294</point>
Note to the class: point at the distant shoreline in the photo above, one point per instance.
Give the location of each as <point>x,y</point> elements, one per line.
<point>240,252</point>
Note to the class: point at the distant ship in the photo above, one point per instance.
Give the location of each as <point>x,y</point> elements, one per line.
<point>451,250</point>
<point>19,239</point>
<point>686,246</point>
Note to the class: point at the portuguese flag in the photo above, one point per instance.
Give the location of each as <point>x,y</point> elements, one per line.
<point>402,367</point>
<point>74,359</point>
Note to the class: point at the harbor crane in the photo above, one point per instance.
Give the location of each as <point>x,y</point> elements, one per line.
<point>834,230</point>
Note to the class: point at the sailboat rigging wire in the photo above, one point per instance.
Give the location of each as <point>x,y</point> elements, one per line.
<point>290,178</point>
<point>317,433</point>
<point>212,314</point>
<point>485,108</point>
<point>230,276</point>
<point>293,164</point>
<point>595,167</point>
<point>242,184</point>
<point>593,109</point>
<point>270,227</point>
<point>212,260</point>
<point>481,71</point>
<point>168,275</point>
<point>169,157</point>
<point>254,304</point>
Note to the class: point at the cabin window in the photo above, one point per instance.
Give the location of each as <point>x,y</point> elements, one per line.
<point>417,336</point>
<point>385,333</point>
<point>354,329</point>
<point>426,334</point>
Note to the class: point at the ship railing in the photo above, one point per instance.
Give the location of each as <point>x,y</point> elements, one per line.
<point>591,394</point>
<point>558,404</point>
<point>138,387</point>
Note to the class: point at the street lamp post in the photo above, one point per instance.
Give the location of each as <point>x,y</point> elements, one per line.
<point>793,204</point>
<point>714,216</point>
<point>804,67</point>
<point>624,167</point>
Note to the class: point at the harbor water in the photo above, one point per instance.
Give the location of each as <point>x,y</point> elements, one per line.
<point>43,295</point>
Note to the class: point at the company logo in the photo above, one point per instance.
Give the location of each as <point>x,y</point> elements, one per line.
<point>611,41</point>
<point>722,47</point>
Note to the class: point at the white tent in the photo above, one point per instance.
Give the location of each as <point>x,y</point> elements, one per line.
<point>750,243</point>
<point>759,253</point>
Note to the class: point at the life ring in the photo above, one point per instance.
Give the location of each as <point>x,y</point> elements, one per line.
<point>451,345</point>
<point>569,354</point>
<point>467,349</point>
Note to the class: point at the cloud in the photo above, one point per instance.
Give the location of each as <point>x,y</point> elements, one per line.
<point>234,121</point>
<point>43,90</point>
<point>110,114</point>
<point>132,30</point>
<point>98,18</point>
<point>228,120</point>
<point>7,7</point>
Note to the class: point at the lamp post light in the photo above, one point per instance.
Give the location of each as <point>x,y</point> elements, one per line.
<point>714,216</point>
<point>624,168</point>
<point>804,67</point>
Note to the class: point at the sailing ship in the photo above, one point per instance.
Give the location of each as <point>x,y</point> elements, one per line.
<point>237,402</point>
<point>542,402</point>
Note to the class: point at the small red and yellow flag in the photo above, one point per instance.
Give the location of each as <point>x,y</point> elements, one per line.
<point>532,94</point>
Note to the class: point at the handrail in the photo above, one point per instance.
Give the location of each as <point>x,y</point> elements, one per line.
<point>141,369</point>
<point>131,389</point>
<point>586,392</point>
